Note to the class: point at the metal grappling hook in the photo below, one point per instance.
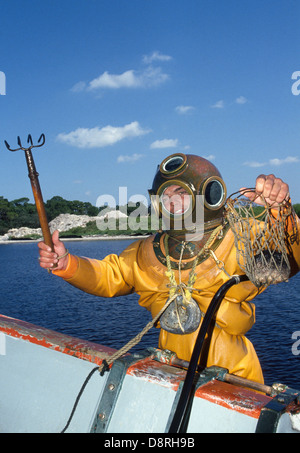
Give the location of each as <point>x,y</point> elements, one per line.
<point>35,185</point>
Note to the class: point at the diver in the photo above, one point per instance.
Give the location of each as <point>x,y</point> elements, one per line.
<point>187,262</point>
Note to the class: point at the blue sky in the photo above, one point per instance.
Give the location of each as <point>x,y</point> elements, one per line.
<point>118,85</point>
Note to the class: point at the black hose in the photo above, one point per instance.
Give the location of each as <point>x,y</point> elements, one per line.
<point>181,416</point>
<point>78,398</point>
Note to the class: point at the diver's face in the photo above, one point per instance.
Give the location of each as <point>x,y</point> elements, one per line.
<point>176,199</point>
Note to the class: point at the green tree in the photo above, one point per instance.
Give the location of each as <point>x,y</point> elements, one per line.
<point>55,206</point>
<point>25,213</point>
<point>6,215</point>
<point>297,209</point>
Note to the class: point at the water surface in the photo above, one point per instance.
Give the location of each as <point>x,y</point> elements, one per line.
<point>31,294</point>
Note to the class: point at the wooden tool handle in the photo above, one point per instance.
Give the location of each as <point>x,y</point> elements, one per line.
<point>40,207</point>
<point>39,202</point>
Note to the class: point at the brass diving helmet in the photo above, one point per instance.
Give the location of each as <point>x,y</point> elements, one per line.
<point>198,179</point>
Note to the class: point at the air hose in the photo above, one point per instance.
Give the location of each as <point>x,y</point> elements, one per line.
<point>181,415</point>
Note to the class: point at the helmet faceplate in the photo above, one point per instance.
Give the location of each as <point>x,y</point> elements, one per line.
<point>196,176</point>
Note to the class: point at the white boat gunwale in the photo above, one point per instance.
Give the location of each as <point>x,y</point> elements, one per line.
<point>146,372</point>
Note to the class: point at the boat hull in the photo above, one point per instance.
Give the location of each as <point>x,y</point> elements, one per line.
<point>42,374</point>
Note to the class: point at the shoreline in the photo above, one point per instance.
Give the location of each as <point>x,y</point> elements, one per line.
<point>84,238</point>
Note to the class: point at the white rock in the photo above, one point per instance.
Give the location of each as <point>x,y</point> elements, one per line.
<point>64,222</point>
<point>19,233</point>
<point>112,215</point>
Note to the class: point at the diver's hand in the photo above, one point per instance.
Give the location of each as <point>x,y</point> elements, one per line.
<point>273,190</point>
<point>49,259</point>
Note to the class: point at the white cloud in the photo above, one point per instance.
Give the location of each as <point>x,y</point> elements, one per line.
<point>156,56</point>
<point>132,158</point>
<point>287,160</point>
<point>149,76</point>
<point>152,77</point>
<point>218,105</point>
<point>129,79</point>
<point>79,86</point>
<point>165,143</point>
<point>183,109</point>
<point>221,104</point>
<point>241,100</point>
<point>98,138</point>
<point>254,164</point>
<point>210,157</point>
<point>273,162</point>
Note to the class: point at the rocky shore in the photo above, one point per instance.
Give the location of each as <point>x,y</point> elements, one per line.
<point>62,223</point>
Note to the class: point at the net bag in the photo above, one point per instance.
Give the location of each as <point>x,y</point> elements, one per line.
<point>260,238</point>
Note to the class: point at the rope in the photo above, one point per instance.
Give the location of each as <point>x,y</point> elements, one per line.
<point>78,398</point>
<point>134,341</point>
<point>62,256</point>
<point>106,362</point>
<point>182,289</point>
<point>186,290</point>
<point>173,293</point>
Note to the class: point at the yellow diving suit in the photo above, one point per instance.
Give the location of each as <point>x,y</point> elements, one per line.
<point>137,269</point>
